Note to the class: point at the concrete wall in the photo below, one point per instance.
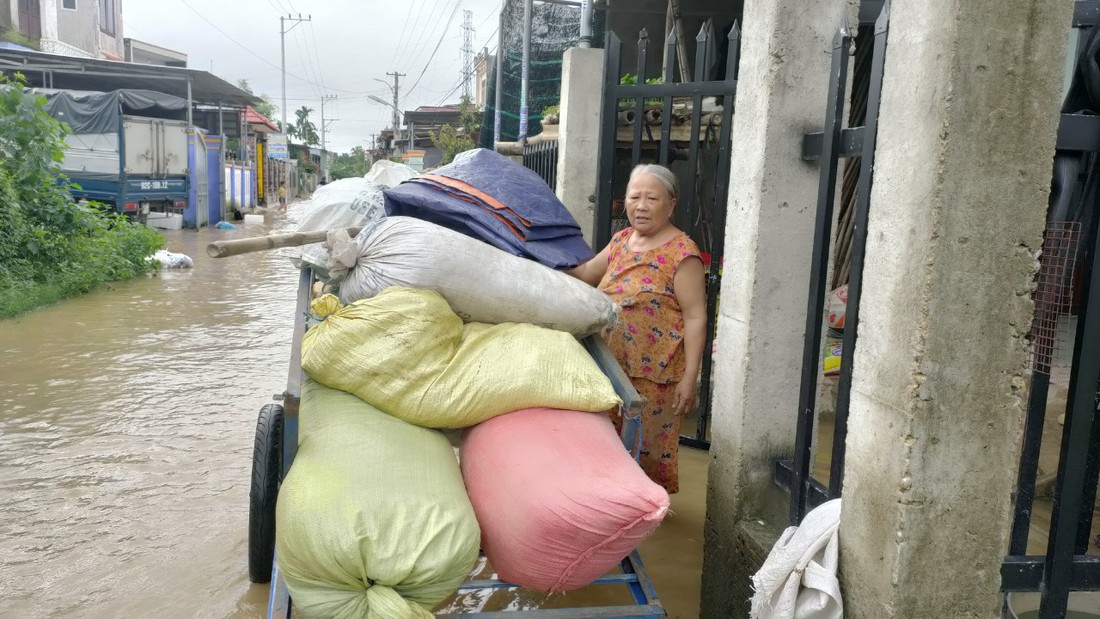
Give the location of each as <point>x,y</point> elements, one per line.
<point>112,43</point>
<point>578,135</point>
<point>963,168</point>
<point>769,235</point>
<point>79,28</point>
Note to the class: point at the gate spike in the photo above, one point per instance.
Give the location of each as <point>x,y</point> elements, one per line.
<point>671,39</point>
<point>882,24</point>
<point>735,31</point>
<point>643,35</point>
<point>702,36</point>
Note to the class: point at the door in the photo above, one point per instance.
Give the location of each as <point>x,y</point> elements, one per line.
<point>30,18</point>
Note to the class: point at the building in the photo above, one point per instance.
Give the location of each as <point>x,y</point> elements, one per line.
<point>147,53</point>
<point>82,28</point>
<point>421,124</point>
<point>484,65</point>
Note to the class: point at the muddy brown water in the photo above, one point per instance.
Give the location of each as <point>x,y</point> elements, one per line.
<point>127,419</point>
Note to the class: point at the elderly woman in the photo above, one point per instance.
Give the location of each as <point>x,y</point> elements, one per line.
<point>653,271</point>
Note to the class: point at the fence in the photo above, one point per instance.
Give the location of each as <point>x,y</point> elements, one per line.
<point>692,141</point>
<point>829,147</point>
<point>542,157</point>
<point>1070,264</point>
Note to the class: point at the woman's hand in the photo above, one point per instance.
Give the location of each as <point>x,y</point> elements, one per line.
<point>684,398</point>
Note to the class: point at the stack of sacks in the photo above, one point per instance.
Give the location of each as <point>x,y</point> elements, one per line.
<point>487,196</point>
<point>373,519</point>
<point>405,352</point>
<point>346,203</point>
<point>559,500</point>
<point>481,283</point>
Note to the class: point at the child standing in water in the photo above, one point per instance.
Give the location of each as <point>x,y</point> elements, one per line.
<point>282,198</point>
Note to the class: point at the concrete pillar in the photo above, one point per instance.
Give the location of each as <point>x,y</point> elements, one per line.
<point>963,166</point>
<point>781,95</point>
<point>579,135</point>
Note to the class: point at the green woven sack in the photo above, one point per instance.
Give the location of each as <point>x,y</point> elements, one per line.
<point>408,354</point>
<point>373,521</point>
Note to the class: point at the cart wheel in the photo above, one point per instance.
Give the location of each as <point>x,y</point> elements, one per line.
<point>266,467</point>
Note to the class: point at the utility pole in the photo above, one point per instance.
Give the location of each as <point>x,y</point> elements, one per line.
<point>282,49</point>
<point>324,130</point>
<point>467,52</point>
<point>396,106</point>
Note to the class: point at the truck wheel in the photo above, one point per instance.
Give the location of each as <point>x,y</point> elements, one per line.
<point>266,467</point>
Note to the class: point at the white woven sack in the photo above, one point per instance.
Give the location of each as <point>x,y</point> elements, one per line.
<point>798,579</point>
<point>480,282</point>
<point>346,203</point>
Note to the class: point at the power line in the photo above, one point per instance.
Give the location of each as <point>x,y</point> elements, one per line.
<point>454,12</point>
<point>261,58</point>
<point>416,52</point>
<point>404,29</point>
<point>416,24</point>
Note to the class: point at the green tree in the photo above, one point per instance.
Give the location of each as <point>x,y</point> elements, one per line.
<point>50,246</point>
<point>303,128</point>
<point>453,140</point>
<point>265,106</point>
<point>350,165</point>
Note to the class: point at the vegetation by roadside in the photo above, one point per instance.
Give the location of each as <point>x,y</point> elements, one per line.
<point>51,247</point>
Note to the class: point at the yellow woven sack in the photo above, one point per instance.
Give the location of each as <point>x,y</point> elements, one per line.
<point>373,521</point>
<point>405,352</point>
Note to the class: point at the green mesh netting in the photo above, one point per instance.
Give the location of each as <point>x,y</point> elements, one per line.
<point>554,29</point>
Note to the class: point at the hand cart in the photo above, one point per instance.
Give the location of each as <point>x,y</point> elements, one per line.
<point>277,442</point>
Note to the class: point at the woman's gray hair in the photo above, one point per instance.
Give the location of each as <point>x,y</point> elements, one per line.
<point>661,173</point>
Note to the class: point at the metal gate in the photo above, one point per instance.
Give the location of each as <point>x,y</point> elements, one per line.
<point>664,121</point>
<point>1068,283</point>
<point>829,147</point>
<point>201,180</point>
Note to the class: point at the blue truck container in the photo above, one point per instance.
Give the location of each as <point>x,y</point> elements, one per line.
<point>128,148</point>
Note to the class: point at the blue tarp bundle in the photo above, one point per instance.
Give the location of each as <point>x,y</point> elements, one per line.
<point>490,197</point>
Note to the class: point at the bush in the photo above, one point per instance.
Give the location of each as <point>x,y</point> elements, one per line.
<point>50,246</point>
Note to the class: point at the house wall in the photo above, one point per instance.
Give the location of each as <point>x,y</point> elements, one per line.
<point>79,28</point>
<point>108,43</point>
<point>7,9</point>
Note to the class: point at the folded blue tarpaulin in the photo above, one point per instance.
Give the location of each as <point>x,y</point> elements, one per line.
<point>490,197</point>
<point>422,202</point>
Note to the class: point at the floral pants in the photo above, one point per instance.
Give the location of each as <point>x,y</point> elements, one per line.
<point>660,456</point>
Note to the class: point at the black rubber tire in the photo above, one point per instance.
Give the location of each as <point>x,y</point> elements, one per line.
<point>266,468</point>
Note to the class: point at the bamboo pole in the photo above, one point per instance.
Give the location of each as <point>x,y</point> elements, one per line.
<point>236,247</point>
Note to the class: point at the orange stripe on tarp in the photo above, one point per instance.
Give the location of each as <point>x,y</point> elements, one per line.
<point>477,193</point>
<point>466,198</point>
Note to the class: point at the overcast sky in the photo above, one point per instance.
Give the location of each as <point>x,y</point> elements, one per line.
<point>346,46</point>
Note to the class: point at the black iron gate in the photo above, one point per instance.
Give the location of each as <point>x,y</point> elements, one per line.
<point>829,148</point>
<point>542,158</point>
<point>663,121</point>
<point>1068,284</point>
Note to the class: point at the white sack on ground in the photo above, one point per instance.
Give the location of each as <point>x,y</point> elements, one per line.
<point>798,579</point>
<point>481,283</point>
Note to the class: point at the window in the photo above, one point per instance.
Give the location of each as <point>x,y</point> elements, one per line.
<point>107,16</point>
<point>68,5</point>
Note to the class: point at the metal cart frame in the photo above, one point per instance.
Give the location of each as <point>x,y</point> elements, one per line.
<point>632,572</point>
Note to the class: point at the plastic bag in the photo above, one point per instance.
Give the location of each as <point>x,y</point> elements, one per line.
<point>559,499</point>
<point>481,283</point>
<point>389,173</point>
<point>346,203</point>
<point>798,579</point>
<point>170,260</point>
<point>405,352</point>
<point>373,517</point>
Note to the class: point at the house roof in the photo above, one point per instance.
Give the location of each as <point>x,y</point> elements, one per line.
<point>69,73</point>
<point>259,122</point>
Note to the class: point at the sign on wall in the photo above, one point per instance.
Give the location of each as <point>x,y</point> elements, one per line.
<point>276,146</point>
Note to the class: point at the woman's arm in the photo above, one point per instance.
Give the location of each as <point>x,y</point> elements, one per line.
<point>688,285</point>
<point>592,271</point>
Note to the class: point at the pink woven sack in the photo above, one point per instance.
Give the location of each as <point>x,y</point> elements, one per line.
<point>559,499</point>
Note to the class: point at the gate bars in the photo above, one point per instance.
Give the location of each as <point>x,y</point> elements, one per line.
<point>830,146</point>
<point>702,217</point>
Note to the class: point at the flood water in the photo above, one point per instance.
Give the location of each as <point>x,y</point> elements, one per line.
<point>126,432</point>
<point>127,419</point>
